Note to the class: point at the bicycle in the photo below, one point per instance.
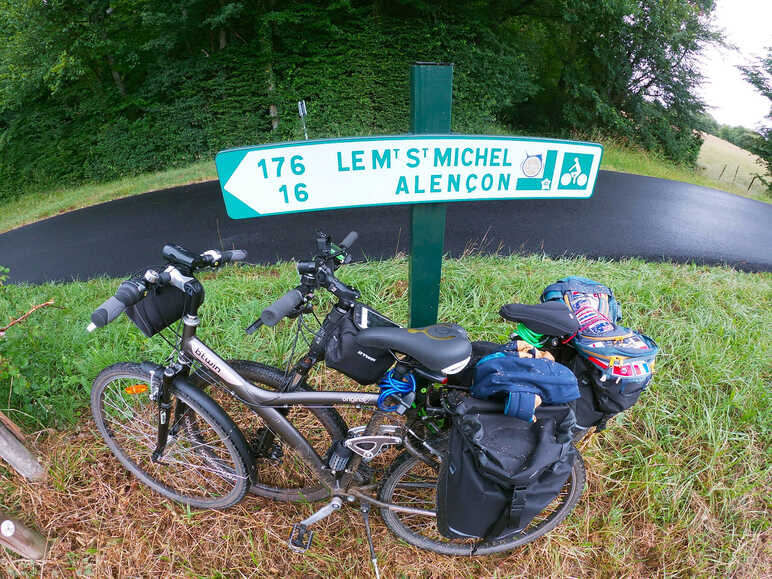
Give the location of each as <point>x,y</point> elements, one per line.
<point>174,437</point>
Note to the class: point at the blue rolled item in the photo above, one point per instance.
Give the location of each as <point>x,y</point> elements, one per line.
<point>520,380</point>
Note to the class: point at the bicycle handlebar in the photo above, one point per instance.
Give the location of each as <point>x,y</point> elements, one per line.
<point>133,290</point>
<point>127,294</point>
<point>317,273</point>
<point>281,308</point>
<point>349,240</point>
<point>234,255</point>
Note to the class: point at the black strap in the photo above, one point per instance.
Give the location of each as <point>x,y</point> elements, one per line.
<point>510,517</point>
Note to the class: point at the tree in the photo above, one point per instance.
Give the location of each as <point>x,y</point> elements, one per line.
<point>625,67</point>
<point>759,74</point>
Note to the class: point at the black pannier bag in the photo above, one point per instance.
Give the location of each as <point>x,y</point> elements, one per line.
<point>343,353</point>
<point>602,398</point>
<point>501,472</point>
<point>158,310</point>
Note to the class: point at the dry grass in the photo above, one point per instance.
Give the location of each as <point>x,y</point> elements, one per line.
<point>106,524</point>
<point>738,166</point>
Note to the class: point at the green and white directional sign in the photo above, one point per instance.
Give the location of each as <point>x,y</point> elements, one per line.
<point>355,172</point>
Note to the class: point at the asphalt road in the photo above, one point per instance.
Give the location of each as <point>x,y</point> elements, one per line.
<point>628,215</point>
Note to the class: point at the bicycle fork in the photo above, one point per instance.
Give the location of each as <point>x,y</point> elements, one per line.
<point>168,422</point>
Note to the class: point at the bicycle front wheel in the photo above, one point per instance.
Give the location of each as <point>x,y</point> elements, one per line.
<point>413,483</point>
<point>205,463</point>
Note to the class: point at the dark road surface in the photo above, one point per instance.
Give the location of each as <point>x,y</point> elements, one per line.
<point>628,215</point>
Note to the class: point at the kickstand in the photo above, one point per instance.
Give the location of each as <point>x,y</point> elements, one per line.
<point>365,509</point>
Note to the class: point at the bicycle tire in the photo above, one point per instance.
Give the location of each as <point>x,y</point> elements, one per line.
<point>283,476</point>
<point>206,463</point>
<point>419,489</point>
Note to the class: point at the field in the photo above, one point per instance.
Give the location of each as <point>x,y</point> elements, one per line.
<point>680,486</point>
<point>730,165</point>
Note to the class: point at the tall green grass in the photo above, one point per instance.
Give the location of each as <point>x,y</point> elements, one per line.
<point>38,205</point>
<point>679,486</point>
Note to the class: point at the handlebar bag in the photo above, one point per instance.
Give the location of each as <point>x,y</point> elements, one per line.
<point>366,365</point>
<point>158,310</point>
<point>500,472</point>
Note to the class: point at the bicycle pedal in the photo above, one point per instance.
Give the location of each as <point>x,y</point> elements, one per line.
<point>300,538</point>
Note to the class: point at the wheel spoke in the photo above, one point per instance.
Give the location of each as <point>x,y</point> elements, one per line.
<point>409,485</point>
<point>198,465</point>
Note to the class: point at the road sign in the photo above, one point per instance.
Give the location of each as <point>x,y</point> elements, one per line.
<point>364,171</point>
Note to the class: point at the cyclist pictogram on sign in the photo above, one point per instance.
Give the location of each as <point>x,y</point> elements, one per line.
<point>575,171</point>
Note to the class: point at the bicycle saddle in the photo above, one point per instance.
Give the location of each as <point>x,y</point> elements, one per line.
<point>440,348</point>
<point>549,318</point>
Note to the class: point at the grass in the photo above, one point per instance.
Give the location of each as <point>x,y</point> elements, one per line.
<point>617,157</point>
<point>713,155</point>
<point>38,205</point>
<point>680,486</point>
<point>731,165</point>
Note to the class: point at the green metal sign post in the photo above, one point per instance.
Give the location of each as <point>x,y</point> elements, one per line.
<point>426,170</point>
<point>431,98</point>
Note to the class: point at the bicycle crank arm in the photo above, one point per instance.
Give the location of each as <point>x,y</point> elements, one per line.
<point>300,537</point>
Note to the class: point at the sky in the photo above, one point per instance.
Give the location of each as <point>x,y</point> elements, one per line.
<point>748,25</point>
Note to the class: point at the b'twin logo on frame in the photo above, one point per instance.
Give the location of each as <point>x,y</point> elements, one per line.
<point>202,356</point>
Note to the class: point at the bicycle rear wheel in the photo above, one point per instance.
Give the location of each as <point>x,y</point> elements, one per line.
<point>281,474</point>
<point>413,483</point>
<point>206,462</point>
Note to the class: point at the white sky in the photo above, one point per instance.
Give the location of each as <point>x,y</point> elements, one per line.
<point>747,24</point>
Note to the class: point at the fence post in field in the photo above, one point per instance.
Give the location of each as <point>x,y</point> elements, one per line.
<point>752,180</point>
<point>735,173</point>
<point>722,173</point>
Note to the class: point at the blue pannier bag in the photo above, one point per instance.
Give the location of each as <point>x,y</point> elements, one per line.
<point>506,376</point>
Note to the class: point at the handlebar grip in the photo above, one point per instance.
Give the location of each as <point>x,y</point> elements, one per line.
<point>128,293</point>
<point>349,240</point>
<point>281,307</point>
<point>234,255</point>
<point>107,312</point>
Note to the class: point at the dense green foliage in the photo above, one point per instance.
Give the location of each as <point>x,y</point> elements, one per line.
<point>97,89</point>
<point>759,74</point>
<point>738,135</point>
